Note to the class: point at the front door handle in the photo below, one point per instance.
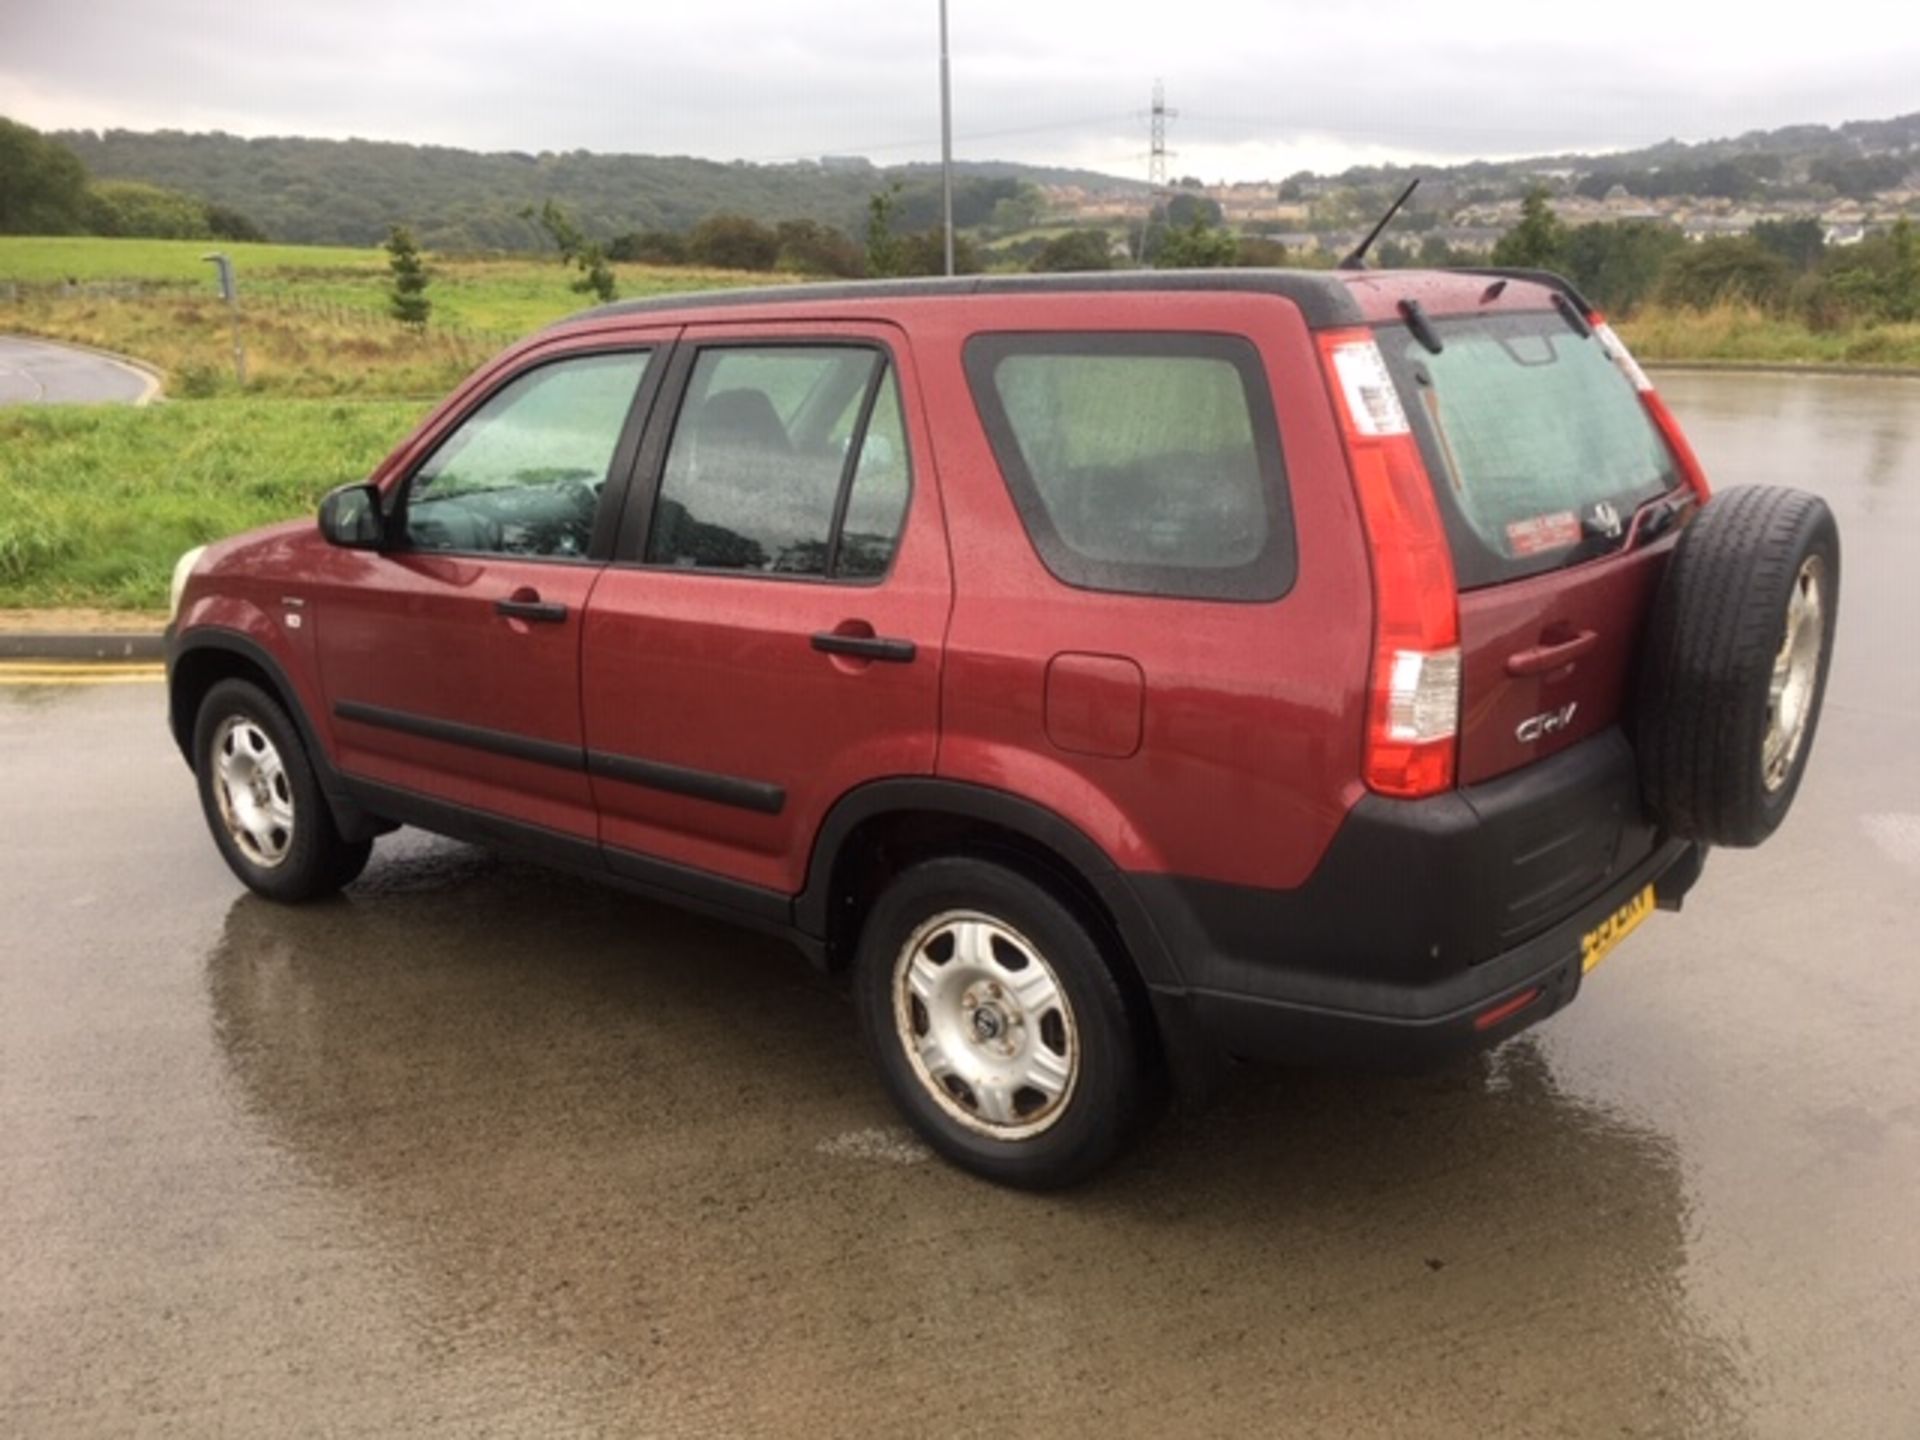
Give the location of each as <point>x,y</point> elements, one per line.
<point>531,608</point>
<point>865,647</point>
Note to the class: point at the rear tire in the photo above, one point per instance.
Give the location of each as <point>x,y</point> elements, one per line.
<point>257,789</point>
<point>999,1029</point>
<point>1737,659</point>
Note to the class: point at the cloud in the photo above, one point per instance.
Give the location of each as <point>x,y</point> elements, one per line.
<point>1263,89</point>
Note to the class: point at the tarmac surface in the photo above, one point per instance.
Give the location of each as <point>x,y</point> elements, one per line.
<point>41,372</point>
<point>478,1149</point>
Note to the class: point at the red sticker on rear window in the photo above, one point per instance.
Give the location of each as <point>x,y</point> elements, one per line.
<point>1543,532</point>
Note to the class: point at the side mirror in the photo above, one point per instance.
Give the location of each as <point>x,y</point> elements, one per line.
<point>350,517</point>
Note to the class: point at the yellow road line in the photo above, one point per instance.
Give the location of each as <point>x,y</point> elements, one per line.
<point>81,667</point>
<point>82,678</point>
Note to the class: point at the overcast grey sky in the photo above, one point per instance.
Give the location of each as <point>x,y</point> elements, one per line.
<point>1264,89</point>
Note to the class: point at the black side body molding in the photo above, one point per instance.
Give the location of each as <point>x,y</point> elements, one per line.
<point>731,790</point>
<point>474,737</point>
<point>756,795</point>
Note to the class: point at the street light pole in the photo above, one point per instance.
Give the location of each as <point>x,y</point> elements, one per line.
<point>946,140</point>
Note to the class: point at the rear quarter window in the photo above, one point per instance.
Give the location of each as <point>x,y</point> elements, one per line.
<point>1143,463</point>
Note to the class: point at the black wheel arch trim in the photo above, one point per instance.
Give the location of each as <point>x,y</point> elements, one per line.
<point>969,801</point>
<point>349,818</point>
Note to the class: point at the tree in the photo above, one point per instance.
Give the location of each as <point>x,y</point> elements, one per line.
<point>816,249</point>
<point>1018,212</point>
<point>925,253</point>
<point>132,208</point>
<point>407,288</point>
<point>1075,250</point>
<point>1186,209</point>
<point>1259,252</point>
<point>1394,255</point>
<point>1735,269</point>
<point>226,223</point>
<point>1619,265</point>
<point>1903,279</point>
<point>1198,247</point>
<point>734,242</point>
<point>648,247</point>
<point>1538,242</point>
<point>586,256</point>
<point>1801,243</point>
<point>885,254</point>
<point>1880,277</point>
<point>43,186</point>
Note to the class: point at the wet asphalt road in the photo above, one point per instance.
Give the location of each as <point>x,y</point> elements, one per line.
<point>38,372</point>
<point>482,1150</point>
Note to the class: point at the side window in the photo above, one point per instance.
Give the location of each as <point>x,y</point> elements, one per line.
<point>522,475</point>
<point>1144,462</point>
<point>772,447</point>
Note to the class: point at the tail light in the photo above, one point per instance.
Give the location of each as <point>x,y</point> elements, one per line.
<point>1413,711</point>
<point>1669,428</point>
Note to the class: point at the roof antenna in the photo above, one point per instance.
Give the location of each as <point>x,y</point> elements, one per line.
<point>1358,259</point>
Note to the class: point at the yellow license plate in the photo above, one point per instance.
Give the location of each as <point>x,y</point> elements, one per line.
<point>1598,942</point>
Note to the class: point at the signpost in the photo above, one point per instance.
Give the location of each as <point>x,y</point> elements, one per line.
<point>231,295</point>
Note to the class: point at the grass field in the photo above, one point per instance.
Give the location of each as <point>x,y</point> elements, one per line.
<point>502,297</point>
<point>96,502</point>
<point>1743,333</point>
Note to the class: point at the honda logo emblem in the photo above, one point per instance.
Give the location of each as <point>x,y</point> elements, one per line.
<point>1607,520</point>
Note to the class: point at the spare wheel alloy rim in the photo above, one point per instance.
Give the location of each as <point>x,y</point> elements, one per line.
<point>986,1025</point>
<point>251,788</point>
<point>1796,673</point>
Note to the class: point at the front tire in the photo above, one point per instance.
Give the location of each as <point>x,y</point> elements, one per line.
<point>257,789</point>
<point>997,1023</point>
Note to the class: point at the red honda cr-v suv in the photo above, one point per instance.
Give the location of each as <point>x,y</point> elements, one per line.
<point>1115,673</point>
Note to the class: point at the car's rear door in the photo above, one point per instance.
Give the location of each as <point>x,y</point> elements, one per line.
<point>451,660</point>
<point>1540,451</point>
<point>770,631</point>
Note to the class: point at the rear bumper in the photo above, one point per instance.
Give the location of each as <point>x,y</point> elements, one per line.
<point>1421,917</point>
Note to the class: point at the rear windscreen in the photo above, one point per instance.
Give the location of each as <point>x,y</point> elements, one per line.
<point>1539,447</point>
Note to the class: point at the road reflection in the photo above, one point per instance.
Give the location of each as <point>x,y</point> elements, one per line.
<point>581,1127</point>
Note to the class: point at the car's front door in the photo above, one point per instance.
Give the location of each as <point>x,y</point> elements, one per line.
<point>452,664</point>
<point>770,632</point>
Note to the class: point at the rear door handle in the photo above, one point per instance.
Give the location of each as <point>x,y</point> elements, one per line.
<point>535,610</point>
<point>865,647</point>
<point>1543,659</point>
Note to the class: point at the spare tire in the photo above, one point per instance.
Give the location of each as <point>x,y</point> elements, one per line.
<point>1736,664</point>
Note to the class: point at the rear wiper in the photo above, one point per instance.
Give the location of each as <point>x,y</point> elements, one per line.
<point>1604,534</point>
<point>1656,516</point>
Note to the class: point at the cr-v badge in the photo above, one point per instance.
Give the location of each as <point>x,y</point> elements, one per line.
<point>1536,727</point>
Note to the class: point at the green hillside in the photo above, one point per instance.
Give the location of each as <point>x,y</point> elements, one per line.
<point>347,192</point>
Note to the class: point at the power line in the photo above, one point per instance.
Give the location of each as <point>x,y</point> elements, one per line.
<point>970,137</point>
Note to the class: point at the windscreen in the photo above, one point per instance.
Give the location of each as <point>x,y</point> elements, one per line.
<point>1538,445</point>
